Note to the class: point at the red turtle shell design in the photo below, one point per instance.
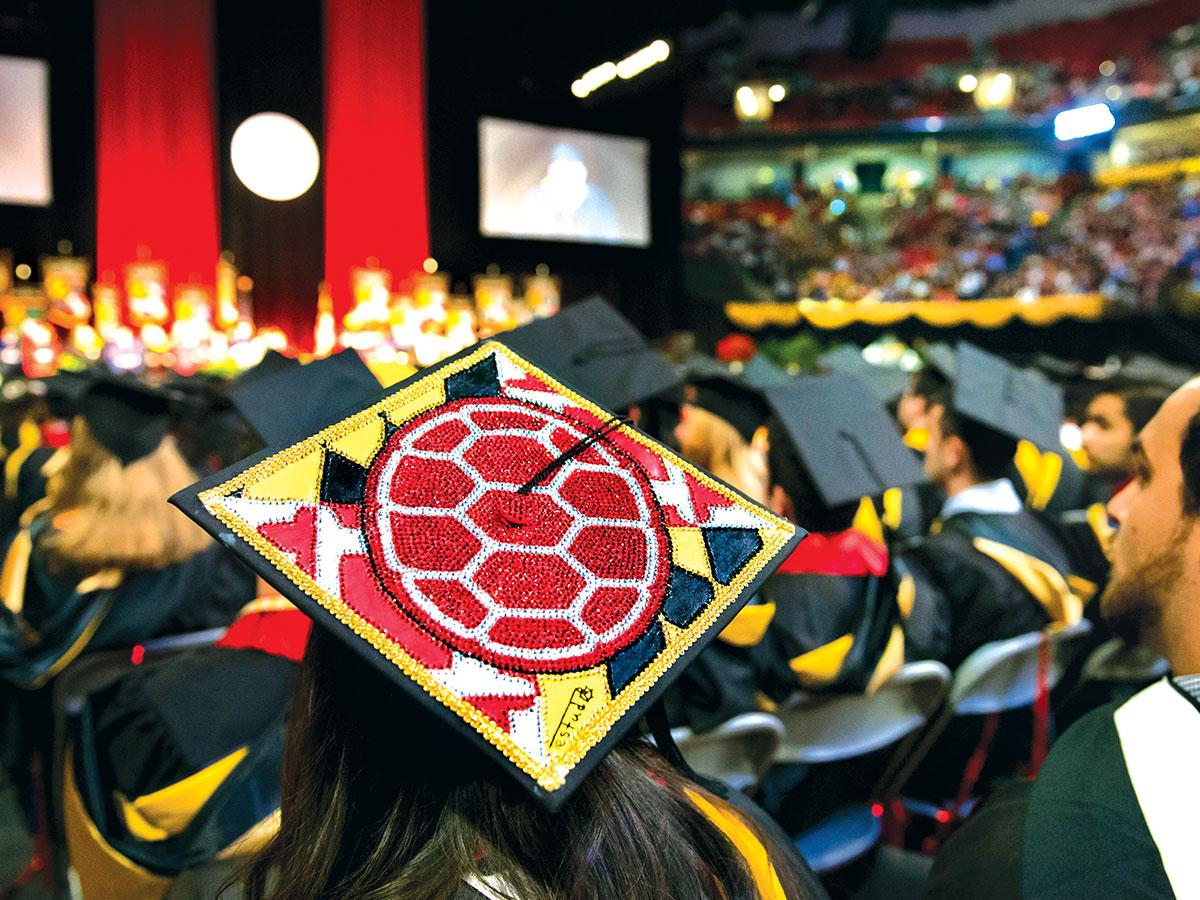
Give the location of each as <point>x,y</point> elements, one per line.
<point>559,579</point>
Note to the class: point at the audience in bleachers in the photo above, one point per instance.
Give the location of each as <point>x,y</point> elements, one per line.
<point>1023,239</point>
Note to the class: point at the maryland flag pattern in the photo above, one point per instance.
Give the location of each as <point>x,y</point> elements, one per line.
<point>530,564</point>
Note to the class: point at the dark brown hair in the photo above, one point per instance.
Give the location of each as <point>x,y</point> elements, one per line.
<point>381,800</point>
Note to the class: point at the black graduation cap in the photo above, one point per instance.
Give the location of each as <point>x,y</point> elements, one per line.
<point>127,416</point>
<point>415,528</point>
<point>888,382</point>
<point>761,373</point>
<point>733,399</point>
<point>285,400</point>
<point>845,438</point>
<point>1018,403</point>
<point>596,350</point>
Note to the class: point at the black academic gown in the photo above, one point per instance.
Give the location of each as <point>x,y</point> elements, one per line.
<point>1111,814</point>
<point>993,595</point>
<point>179,758</point>
<point>63,615</point>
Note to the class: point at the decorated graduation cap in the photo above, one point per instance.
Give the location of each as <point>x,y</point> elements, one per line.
<point>843,436</point>
<point>1018,403</point>
<point>592,347</point>
<point>531,569</point>
<point>887,382</point>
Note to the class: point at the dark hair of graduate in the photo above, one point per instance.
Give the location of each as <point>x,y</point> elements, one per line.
<point>991,451</point>
<point>380,800</point>
<point>1141,403</point>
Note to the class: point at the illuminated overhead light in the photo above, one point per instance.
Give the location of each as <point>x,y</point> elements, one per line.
<point>752,103</point>
<point>994,91</point>
<point>274,156</point>
<point>1113,92</point>
<point>595,77</point>
<point>1083,121</point>
<point>23,271</point>
<point>1120,153</point>
<point>633,64</point>
<point>430,265</point>
<point>1107,68</point>
<point>777,92</point>
<point>968,83</point>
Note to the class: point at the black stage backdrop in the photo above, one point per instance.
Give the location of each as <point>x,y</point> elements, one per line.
<point>517,60</point>
<point>59,31</point>
<point>269,59</point>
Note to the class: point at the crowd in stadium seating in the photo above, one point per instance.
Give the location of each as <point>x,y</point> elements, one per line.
<point>1022,239</point>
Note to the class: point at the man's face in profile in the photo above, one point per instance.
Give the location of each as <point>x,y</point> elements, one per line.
<point>1156,541</point>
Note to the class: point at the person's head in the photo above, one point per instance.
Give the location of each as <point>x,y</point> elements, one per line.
<point>710,442</point>
<point>397,805</point>
<point>794,494</point>
<point>1112,420</point>
<point>109,514</point>
<point>1154,589</point>
<point>962,452</point>
<point>913,406</point>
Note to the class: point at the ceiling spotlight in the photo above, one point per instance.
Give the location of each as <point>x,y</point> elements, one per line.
<point>633,64</point>
<point>777,92</point>
<point>752,103</point>
<point>994,91</point>
<point>1083,122</point>
<point>1107,68</point>
<point>274,156</point>
<point>968,83</point>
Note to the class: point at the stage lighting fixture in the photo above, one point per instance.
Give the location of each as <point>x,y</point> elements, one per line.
<point>1083,121</point>
<point>994,91</point>
<point>634,64</point>
<point>752,103</point>
<point>968,83</point>
<point>274,156</point>
<point>777,92</point>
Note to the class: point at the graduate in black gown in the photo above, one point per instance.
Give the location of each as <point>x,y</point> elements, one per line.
<point>1112,812</point>
<point>100,562</point>
<point>1001,569</point>
<point>174,767</point>
<point>717,426</point>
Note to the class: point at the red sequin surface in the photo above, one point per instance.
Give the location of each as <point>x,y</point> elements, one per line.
<point>559,579</point>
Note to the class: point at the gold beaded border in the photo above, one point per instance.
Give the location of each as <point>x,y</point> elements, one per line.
<point>552,773</point>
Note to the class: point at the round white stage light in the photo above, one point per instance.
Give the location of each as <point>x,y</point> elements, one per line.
<point>274,156</point>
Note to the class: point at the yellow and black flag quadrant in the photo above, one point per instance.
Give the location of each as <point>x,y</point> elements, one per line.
<point>530,568</point>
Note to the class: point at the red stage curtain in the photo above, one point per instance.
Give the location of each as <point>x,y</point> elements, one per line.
<point>375,190</point>
<point>156,181</point>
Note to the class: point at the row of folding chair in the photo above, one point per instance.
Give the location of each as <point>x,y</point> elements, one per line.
<point>910,712</point>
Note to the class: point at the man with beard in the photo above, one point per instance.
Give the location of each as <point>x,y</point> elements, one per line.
<point>1112,812</point>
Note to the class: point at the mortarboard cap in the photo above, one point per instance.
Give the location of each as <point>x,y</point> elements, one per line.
<point>592,347</point>
<point>1018,403</point>
<point>128,417</point>
<point>287,400</point>
<point>531,570</point>
<point>761,373</point>
<point>887,382</point>
<point>733,399</point>
<point>844,437</point>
